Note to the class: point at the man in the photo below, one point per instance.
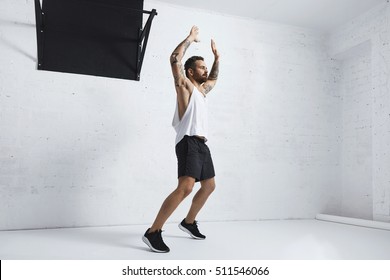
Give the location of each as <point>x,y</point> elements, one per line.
<point>190,122</point>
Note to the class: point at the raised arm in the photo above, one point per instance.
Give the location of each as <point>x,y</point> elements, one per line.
<point>177,56</point>
<point>213,76</point>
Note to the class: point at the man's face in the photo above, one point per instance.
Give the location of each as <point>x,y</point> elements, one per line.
<point>200,72</point>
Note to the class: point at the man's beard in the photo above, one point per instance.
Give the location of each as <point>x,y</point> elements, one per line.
<point>201,79</point>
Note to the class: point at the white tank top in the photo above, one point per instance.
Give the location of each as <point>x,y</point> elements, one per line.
<point>194,121</point>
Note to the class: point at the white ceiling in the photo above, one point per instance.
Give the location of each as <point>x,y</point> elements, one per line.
<point>323,15</point>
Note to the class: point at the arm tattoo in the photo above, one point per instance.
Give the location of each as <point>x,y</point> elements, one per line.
<point>179,52</point>
<point>177,67</point>
<point>176,80</point>
<point>207,88</point>
<point>174,59</point>
<point>186,45</point>
<point>214,71</point>
<point>179,76</point>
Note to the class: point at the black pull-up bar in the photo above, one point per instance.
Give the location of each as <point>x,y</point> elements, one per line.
<point>93,37</point>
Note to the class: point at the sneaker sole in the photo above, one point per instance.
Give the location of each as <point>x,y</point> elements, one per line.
<point>189,232</point>
<point>146,241</point>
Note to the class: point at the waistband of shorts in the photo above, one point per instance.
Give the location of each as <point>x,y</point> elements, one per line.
<point>198,138</point>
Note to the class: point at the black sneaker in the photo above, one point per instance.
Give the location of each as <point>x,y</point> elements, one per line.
<point>155,241</point>
<point>191,229</point>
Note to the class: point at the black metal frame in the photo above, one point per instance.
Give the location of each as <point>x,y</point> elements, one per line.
<point>39,19</point>
<point>143,35</point>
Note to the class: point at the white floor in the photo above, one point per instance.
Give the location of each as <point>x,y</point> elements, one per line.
<point>270,240</point>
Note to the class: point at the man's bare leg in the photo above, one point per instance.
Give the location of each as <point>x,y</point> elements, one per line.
<point>207,187</point>
<point>169,205</point>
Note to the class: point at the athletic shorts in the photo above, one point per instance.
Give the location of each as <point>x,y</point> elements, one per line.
<point>194,159</point>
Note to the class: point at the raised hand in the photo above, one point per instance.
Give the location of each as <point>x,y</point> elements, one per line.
<point>194,33</point>
<point>214,49</point>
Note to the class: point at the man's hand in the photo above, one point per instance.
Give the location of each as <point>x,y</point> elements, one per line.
<point>194,34</point>
<point>214,49</point>
<point>213,76</point>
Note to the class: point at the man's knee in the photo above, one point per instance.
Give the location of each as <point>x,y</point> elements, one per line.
<point>186,185</point>
<point>209,185</point>
<point>211,188</point>
<point>186,189</point>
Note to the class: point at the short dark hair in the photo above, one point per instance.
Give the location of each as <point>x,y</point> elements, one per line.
<point>190,63</point>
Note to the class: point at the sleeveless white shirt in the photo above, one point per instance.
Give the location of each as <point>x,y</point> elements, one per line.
<point>194,121</point>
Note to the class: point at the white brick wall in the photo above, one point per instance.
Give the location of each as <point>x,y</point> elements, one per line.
<point>366,112</point>
<point>356,153</point>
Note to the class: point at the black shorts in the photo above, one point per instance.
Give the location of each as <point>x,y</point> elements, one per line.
<point>194,159</point>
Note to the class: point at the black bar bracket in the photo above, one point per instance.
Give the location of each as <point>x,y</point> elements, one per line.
<point>39,19</point>
<point>143,41</point>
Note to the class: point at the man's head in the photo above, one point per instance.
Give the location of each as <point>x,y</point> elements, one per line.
<point>196,69</point>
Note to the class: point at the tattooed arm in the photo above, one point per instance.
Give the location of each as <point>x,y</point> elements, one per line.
<point>183,85</point>
<point>178,54</point>
<point>213,76</point>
